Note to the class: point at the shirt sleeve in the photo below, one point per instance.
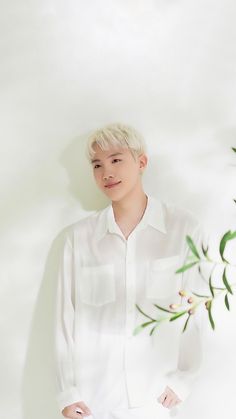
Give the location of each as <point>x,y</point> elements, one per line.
<point>190,355</point>
<point>67,390</point>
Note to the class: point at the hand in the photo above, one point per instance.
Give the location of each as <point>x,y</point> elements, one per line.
<point>70,411</point>
<point>169,398</point>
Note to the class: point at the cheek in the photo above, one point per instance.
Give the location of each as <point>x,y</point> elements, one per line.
<point>133,175</point>
<point>96,177</point>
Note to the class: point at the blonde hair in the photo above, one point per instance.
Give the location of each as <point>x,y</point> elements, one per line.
<point>116,135</point>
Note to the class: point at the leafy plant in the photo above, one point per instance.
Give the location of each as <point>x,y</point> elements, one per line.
<point>192,301</point>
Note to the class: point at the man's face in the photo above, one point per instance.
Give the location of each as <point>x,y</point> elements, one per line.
<point>116,172</point>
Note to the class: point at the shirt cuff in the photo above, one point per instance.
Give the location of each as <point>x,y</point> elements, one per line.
<point>68,397</point>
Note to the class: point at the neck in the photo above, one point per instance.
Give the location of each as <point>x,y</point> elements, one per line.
<point>131,207</point>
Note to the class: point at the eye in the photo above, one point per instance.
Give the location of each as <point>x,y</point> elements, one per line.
<point>96,166</point>
<point>116,160</point>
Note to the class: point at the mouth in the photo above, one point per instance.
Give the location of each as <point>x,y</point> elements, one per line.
<point>112,185</point>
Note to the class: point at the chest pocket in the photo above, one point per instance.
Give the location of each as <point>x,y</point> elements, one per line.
<point>97,284</point>
<point>161,280</point>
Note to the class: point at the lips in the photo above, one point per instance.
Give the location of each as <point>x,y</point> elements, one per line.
<point>112,185</point>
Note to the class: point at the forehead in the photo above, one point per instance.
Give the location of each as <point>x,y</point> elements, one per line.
<point>111,152</point>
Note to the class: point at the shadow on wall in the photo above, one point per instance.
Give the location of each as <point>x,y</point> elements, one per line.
<point>81,182</point>
<point>29,190</point>
<point>39,386</point>
<point>38,394</point>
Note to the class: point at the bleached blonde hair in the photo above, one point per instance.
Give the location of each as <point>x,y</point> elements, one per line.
<point>116,135</point>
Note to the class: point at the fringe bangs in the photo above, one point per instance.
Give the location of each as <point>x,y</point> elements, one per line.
<point>115,135</point>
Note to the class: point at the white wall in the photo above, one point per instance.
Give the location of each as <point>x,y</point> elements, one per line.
<point>168,68</point>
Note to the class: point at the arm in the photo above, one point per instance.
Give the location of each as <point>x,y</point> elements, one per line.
<point>180,381</point>
<point>67,391</point>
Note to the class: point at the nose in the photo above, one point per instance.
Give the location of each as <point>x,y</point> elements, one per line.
<point>105,177</point>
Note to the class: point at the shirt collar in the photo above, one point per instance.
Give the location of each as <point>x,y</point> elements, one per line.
<point>153,215</point>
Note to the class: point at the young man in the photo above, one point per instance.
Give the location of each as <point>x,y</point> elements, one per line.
<point>123,255</point>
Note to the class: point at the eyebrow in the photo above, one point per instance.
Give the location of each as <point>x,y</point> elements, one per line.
<point>111,155</point>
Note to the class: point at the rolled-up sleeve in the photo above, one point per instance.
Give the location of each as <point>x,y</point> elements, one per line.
<point>190,355</point>
<point>67,390</point>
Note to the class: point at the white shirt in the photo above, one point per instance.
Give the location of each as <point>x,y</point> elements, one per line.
<point>101,278</point>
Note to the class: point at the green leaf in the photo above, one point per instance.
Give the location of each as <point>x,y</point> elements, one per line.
<point>186,323</point>
<point>181,313</point>
<point>185,267</point>
<point>146,315</point>
<point>223,242</point>
<point>205,250</point>
<point>191,258</point>
<point>141,327</point>
<point>151,332</point>
<point>234,149</point>
<point>137,330</point>
<point>227,286</point>
<point>211,287</point>
<point>165,309</point>
<point>201,296</point>
<point>227,302</point>
<point>200,272</point>
<point>192,246</point>
<point>226,237</point>
<point>210,315</point>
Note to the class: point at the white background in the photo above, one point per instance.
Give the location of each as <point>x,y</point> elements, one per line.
<point>166,67</point>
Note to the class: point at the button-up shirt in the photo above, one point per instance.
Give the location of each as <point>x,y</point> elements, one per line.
<point>102,277</point>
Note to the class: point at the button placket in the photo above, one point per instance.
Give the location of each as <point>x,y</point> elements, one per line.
<point>130,286</point>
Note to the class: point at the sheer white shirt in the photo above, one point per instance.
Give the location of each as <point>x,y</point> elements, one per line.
<point>102,276</point>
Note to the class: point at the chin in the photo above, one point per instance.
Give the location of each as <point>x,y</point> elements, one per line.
<point>118,197</point>
<point>112,194</point>
<point>113,197</point>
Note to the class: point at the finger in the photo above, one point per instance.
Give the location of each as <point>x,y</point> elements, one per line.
<point>172,403</point>
<point>85,409</point>
<point>69,413</point>
<point>162,397</point>
<point>79,412</point>
<point>170,391</point>
<point>167,401</point>
<point>164,400</point>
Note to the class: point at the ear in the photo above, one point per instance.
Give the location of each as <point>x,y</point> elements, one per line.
<point>142,162</point>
